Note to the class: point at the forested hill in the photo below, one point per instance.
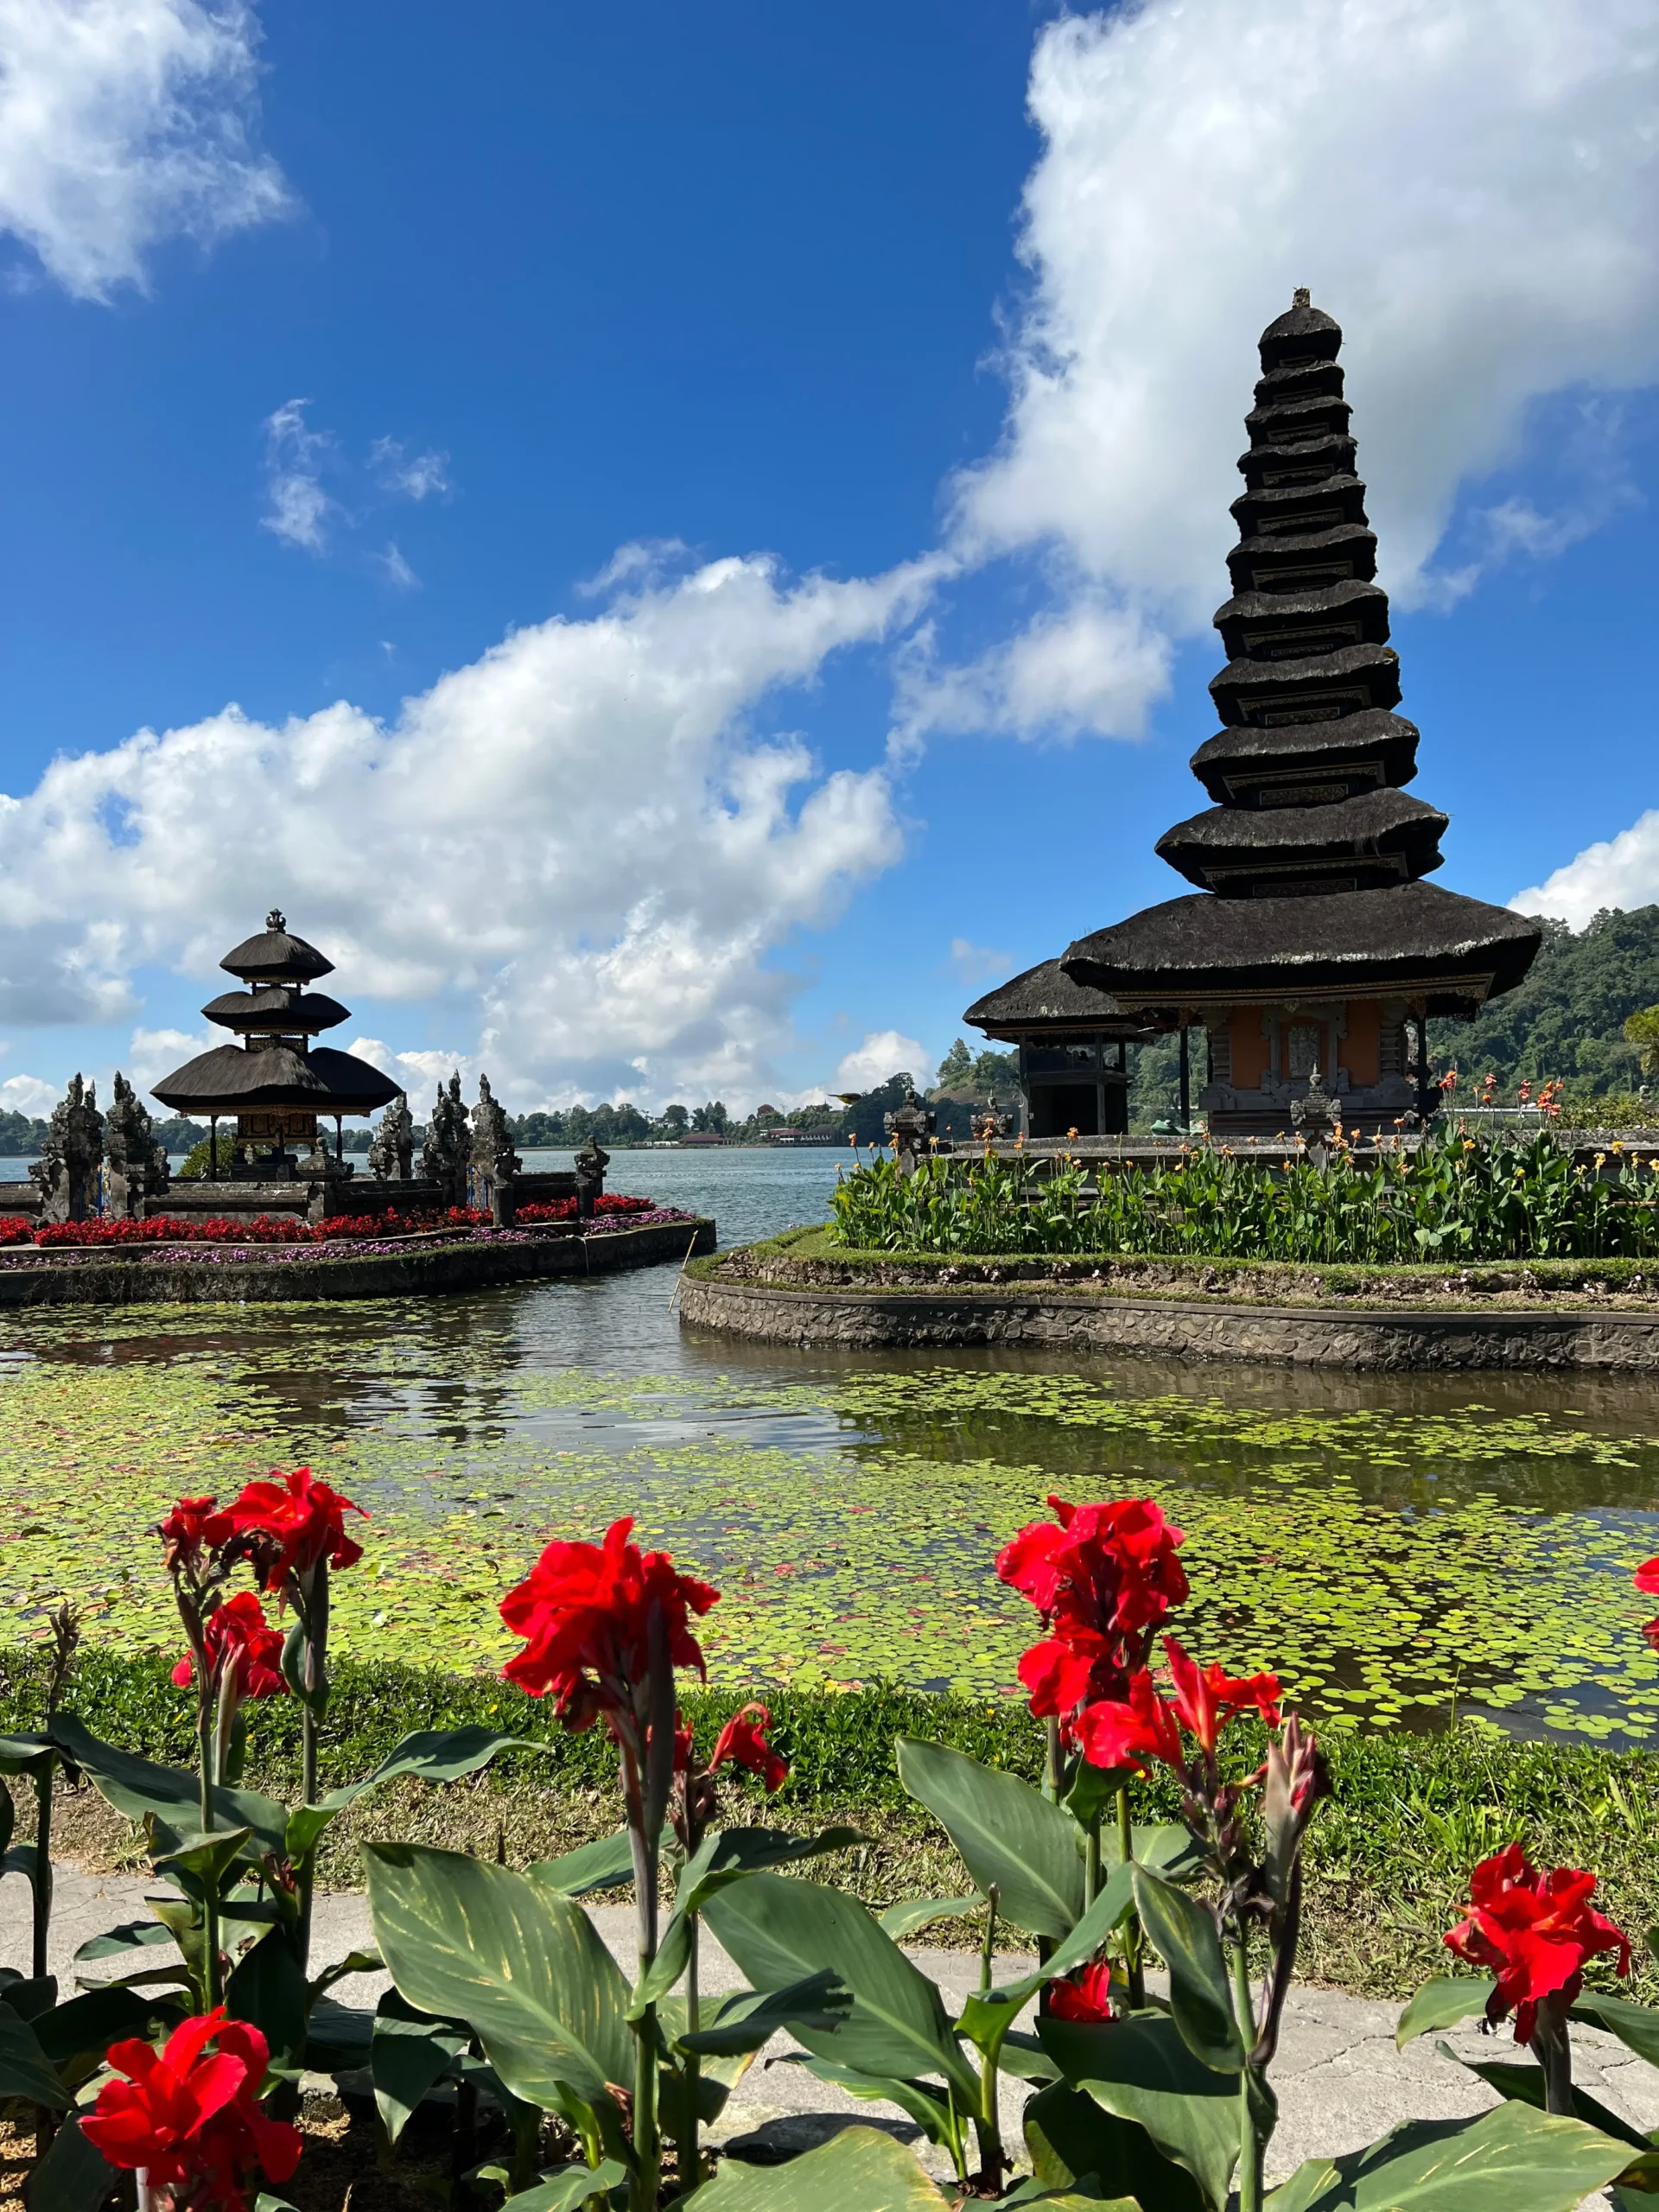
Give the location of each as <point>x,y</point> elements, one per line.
<point>1566,1019</point>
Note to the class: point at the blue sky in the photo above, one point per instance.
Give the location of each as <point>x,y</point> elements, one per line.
<point>708,519</point>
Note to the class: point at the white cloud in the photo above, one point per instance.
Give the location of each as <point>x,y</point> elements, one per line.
<point>977,964</point>
<point>154,1053</point>
<point>1621,871</point>
<point>1085,666</point>
<point>415,476</point>
<point>27,1094</point>
<point>884,1053</point>
<point>124,122</point>
<point>1469,186</point>
<point>581,834</point>
<point>398,570</point>
<point>300,509</point>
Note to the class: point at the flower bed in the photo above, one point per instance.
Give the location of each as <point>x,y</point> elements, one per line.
<point>613,1210</point>
<point>1456,1197</point>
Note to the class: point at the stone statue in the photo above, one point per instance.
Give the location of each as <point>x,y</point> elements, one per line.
<point>494,1162</point>
<point>66,1170</point>
<point>591,1163</point>
<point>391,1155</point>
<point>449,1144</point>
<point>136,1171</point>
<point>327,1175</point>
<point>908,1130</point>
<point>1316,1118</point>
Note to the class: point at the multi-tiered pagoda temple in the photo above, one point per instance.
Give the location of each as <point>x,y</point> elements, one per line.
<point>275,1082</point>
<point>1314,940</point>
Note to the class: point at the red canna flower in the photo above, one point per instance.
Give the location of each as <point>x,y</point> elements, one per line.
<point>1064,1671</point>
<point>1206,1699</point>
<point>1102,1576</point>
<point>180,2116</point>
<point>584,1610</point>
<point>1534,1931</point>
<point>1086,1995</point>
<point>1647,1578</point>
<point>185,1530</point>
<point>302,1519</point>
<point>1110,1568</point>
<point>743,1740</point>
<point>1130,1732</point>
<point>238,1634</point>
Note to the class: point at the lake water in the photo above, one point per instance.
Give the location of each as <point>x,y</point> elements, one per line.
<point>1399,1548</point>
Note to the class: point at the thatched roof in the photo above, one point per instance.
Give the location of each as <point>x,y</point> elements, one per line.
<point>275,956</point>
<point>1369,827</point>
<point>1389,739</point>
<point>1414,933</point>
<point>230,1079</point>
<point>276,1011</point>
<point>1043,997</point>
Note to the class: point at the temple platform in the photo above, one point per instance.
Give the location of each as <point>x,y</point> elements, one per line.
<point>436,1266</point>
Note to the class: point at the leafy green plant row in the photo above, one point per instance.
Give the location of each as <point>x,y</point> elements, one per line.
<point>1408,1811</point>
<point>1454,1198</point>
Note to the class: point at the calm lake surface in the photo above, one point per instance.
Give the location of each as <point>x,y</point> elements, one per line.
<point>1400,1549</point>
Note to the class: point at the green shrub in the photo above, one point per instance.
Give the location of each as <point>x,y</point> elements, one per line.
<point>1456,1197</point>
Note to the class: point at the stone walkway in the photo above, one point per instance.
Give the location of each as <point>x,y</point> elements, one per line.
<point>1340,2081</point>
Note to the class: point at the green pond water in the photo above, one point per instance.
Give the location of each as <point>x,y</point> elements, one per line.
<point>1399,1548</point>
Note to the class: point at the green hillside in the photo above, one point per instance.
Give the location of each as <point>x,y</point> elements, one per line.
<point>1566,1019</point>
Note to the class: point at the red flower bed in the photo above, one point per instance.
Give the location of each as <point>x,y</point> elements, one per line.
<point>565,1209</point>
<point>282,1229</point>
<point>420,1221</point>
<point>164,1229</point>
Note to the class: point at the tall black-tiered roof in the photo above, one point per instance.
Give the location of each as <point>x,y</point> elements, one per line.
<point>1307,768</point>
<point>276,1066</point>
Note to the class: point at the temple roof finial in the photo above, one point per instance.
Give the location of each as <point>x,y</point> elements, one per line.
<point>1300,298</point>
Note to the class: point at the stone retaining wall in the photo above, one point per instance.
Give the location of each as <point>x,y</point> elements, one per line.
<point>92,1279</point>
<point>1088,1322</point>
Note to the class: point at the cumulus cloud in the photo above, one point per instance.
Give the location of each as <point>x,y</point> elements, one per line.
<point>155,1052</point>
<point>27,1094</point>
<point>299,508</point>
<point>581,834</point>
<point>124,122</point>
<point>884,1053</point>
<point>1084,666</point>
<point>1621,871</point>
<point>1469,186</point>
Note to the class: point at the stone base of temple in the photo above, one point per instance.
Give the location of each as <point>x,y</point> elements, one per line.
<point>242,1274</point>
<point>1562,1316</point>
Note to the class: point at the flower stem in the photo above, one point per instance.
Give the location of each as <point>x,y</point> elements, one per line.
<point>1552,2049</point>
<point>1135,1965</point>
<point>315,1676</point>
<point>690,2154</point>
<point>43,1884</point>
<point>206,1701</point>
<point>647,2135</point>
<point>1091,1861</point>
<point>1250,2145</point>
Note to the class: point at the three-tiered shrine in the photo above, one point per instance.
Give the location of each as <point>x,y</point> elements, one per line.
<point>1313,941</point>
<point>275,1082</point>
